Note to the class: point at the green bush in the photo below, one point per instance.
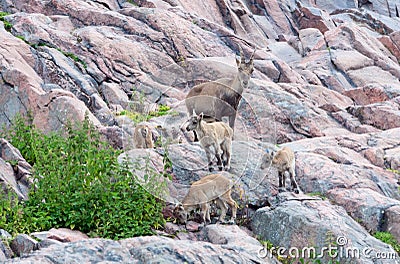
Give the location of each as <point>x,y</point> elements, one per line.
<point>388,238</point>
<point>79,185</point>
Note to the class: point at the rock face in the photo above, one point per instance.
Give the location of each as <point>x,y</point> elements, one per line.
<point>222,244</point>
<point>298,222</point>
<point>326,83</point>
<point>15,172</point>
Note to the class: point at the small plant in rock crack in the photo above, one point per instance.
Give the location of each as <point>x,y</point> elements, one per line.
<point>73,57</point>
<point>79,184</point>
<point>7,25</point>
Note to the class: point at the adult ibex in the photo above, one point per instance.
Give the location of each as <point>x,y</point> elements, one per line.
<point>284,161</point>
<point>220,98</point>
<point>214,187</point>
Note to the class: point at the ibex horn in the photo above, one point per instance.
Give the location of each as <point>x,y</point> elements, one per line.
<point>194,113</point>
<point>252,55</point>
<point>242,58</point>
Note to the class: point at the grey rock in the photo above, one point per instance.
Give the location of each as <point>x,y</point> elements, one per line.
<point>391,221</point>
<point>23,244</point>
<point>300,222</point>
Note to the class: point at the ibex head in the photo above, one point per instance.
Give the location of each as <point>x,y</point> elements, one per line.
<point>194,121</point>
<point>245,68</point>
<point>180,213</point>
<point>267,159</point>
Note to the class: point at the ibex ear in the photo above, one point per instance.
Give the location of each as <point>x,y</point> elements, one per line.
<point>201,116</point>
<point>194,113</point>
<point>237,62</point>
<point>178,205</point>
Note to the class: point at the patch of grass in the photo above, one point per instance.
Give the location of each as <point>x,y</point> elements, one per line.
<point>79,184</point>
<point>388,238</point>
<point>132,2</point>
<point>73,57</point>
<point>317,194</point>
<point>67,54</point>
<point>7,25</point>
<point>139,117</point>
<point>394,171</point>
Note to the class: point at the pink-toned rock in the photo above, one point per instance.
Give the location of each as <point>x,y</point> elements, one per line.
<point>327,163</point>
<point>117,137</point>
<point>391,221</point>
<point>311,39</point>
<point>364,205</point>
<point>349,37</point>
<point>59,107</point>
<point>229,235</point>
<point>368,94</point>
<point>391,43</point>
<point>375,156</point>
<point>298,220</point>
<point>392,158</point>
<point>384,115</point>
<point>347,60</point>
<point>66,235</point>
<point>353,123</point>
<point>113,94</point>
<point>309,17</point>
<point>320,63</point>
<point>192,226</point>
<point>372,75</point>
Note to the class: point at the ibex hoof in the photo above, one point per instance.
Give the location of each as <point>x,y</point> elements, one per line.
<point>281,189</point>
<point>220,168</point>
<point>297,191</point>
<point>210,169</point>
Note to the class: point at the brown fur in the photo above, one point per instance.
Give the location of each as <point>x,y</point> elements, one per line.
<point>216,135</point>
<point>143,137</point>
<point>284,161</point>
<point>221,98</point>
<point>213,187</point>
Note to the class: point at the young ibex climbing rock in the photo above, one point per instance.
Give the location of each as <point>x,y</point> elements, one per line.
<point>220,98</point>
<point>143,136</point>
<point>217,135</point>
<point>214,187</point>
<point>284,161</point>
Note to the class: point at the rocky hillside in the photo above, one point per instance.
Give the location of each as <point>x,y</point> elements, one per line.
<point>326,83</point>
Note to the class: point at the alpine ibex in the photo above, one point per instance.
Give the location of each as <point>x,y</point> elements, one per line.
<point>284,161</point>
<point>143,137</point>
<point>217,135</point>
<point>220,98</point>
<point>213,187</point>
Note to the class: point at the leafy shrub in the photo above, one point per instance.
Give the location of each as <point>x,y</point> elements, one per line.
<point>388,238</point>
<point>79,184</point>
